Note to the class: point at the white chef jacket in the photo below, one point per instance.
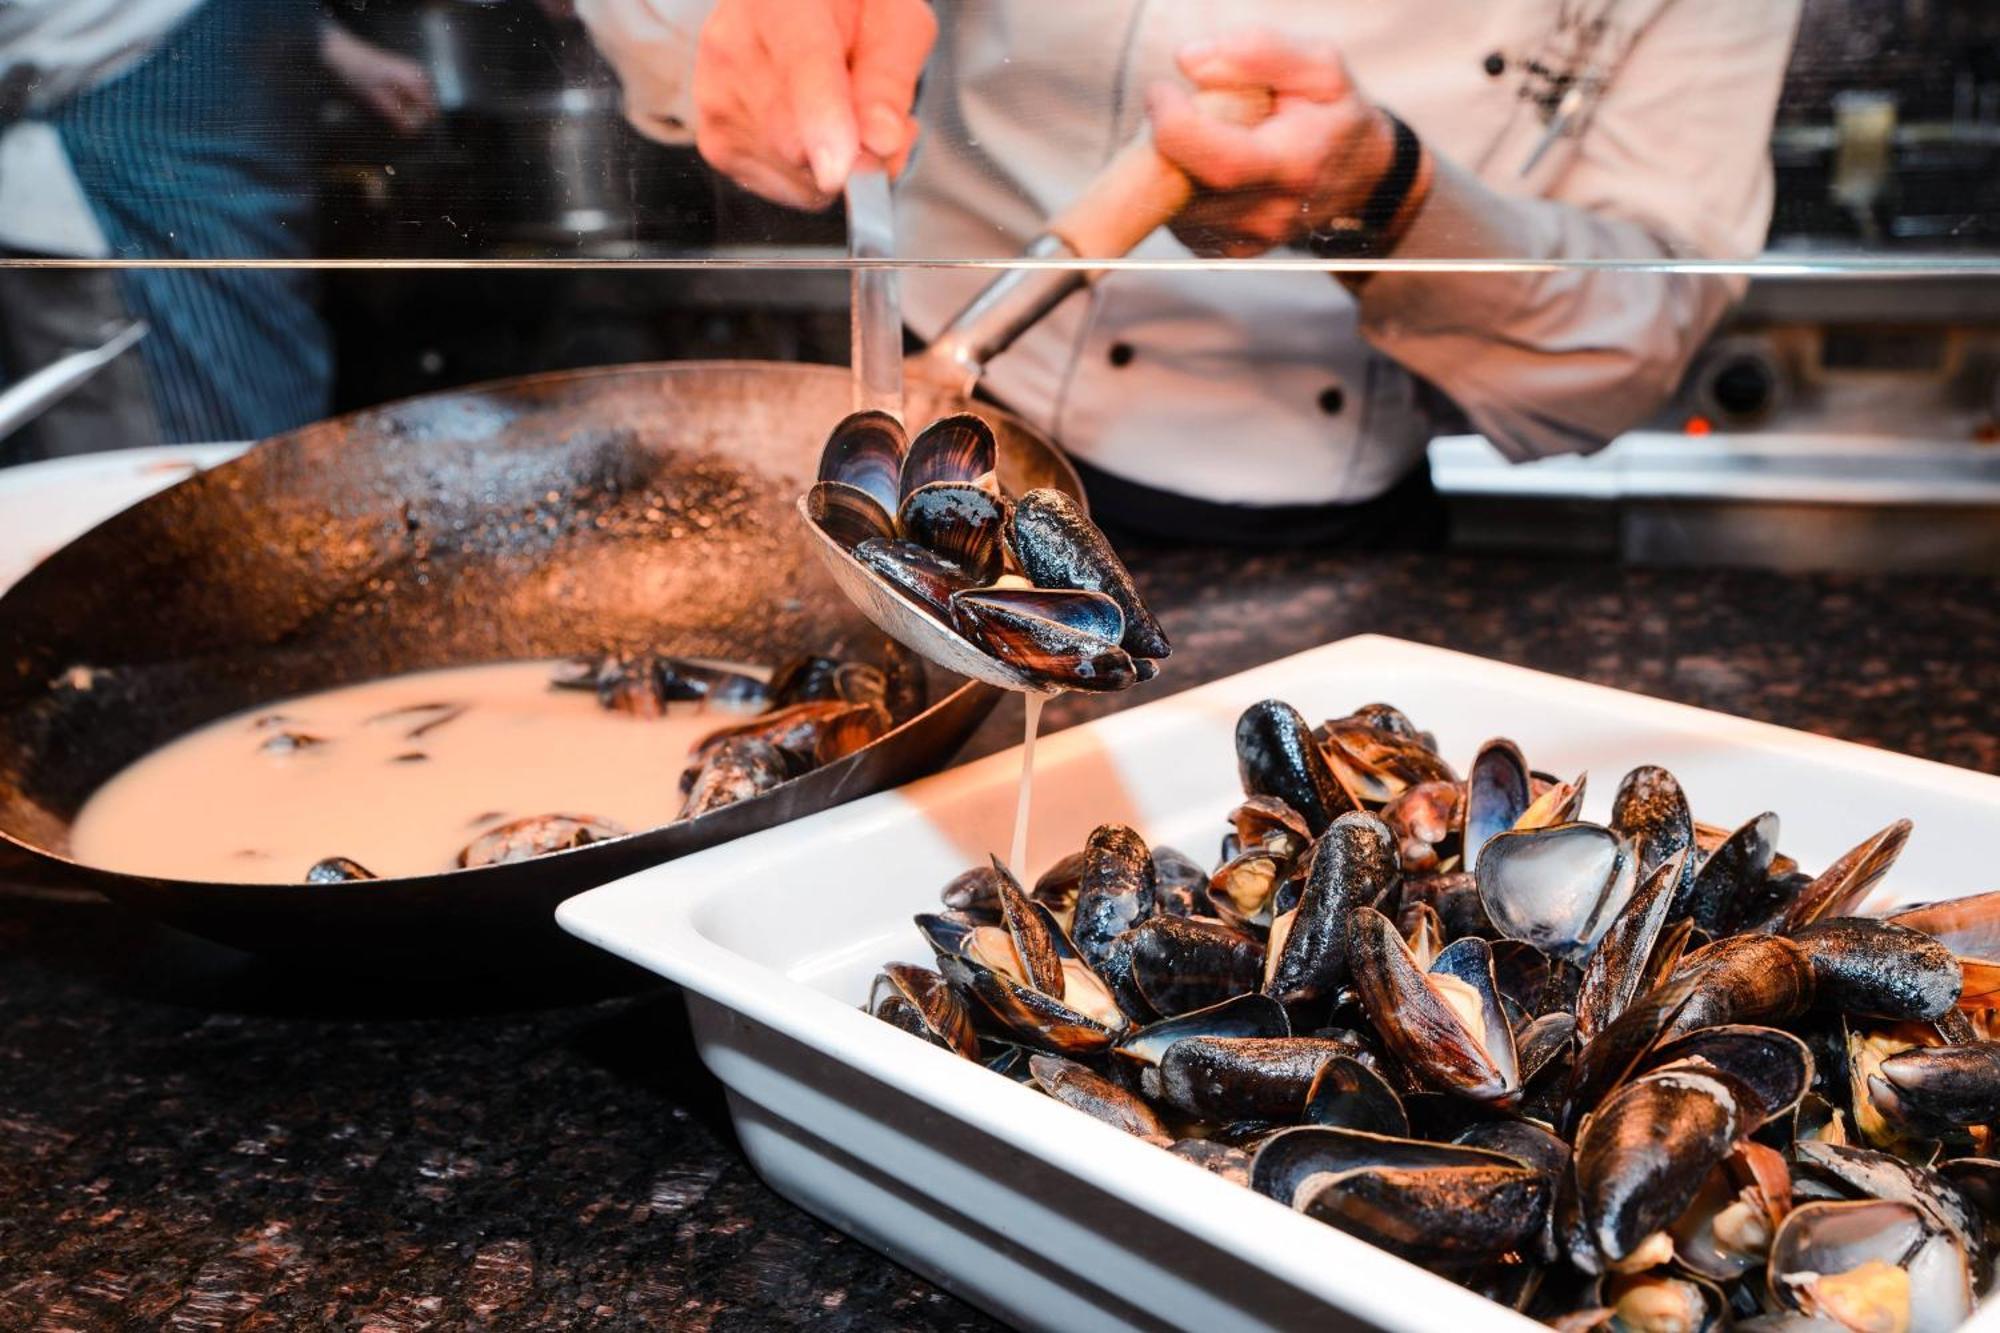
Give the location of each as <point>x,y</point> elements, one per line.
<point>1283,388</point>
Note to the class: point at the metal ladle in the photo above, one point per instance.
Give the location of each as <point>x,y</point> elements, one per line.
<point>1137,193</point>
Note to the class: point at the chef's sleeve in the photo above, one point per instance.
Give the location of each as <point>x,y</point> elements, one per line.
<point>1674,163</point>
<point>651,45</point>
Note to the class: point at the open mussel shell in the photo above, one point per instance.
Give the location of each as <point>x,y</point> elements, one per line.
<point>1970,928</point>
<point>1267,822</point>
<point>1029,1017</point>
<point>957,448</point>
<point>1864,1173</point>
<point>1617,968</point>
<point>1651,809</point>
<point>1870,1264</point>
<point>1378,765</point>
<point>1347,1094</point>
<point>1642,1156</point>
<point>1288,1160</point>
<point>1412,1197</point>
<point>1730,882</point>
<point>1842,887</point>
<point>941,1016</point>
<point>536,835</point>
<point>848,514</point>
<point>1244,1016</point>
<point>1497,794</point>
<point>1557,888</point>
<point>1058,547</point>
<point>1061,639</point>
<point>865,451</point>
<point>1446,1024</point>
<point>1771,1065</point>
<point>1726,1232</point>
<point>924,577</point>
<point>960,522</point>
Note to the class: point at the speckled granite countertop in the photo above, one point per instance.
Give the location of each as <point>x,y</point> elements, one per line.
<point>192,1140</point>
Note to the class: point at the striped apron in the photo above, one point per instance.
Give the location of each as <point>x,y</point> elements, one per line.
<point>205,150</point>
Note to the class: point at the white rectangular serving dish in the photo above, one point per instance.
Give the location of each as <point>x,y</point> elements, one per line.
<point>1037,1212</point>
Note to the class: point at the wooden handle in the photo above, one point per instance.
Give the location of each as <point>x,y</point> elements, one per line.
<point>1140,191</point>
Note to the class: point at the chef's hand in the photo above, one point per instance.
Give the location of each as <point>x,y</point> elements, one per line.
<point>1317,157</point>
<point>790,94</point>
<point>394,87</point>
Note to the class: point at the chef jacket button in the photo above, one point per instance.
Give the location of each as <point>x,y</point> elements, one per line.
<point>1496,64</point>
<point>1120,354</point>
<point>1332,400</point>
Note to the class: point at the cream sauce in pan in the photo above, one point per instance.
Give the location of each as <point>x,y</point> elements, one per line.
<point>404,772</point>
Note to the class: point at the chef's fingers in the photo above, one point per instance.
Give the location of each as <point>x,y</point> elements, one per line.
<point>1214,153</point>
<point>792,187</point>
<point>1239,225</point>
<point>808,54</point>
<point>1260,58</point>
<point>901,158</point>
<point>755,143</point>
<point>892,40</point>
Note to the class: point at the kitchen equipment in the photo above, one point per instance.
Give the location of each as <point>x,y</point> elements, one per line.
<point>1136,194</point>
<point>875,308</point>
<point>530,151</point>
<point>47,505</point>
<point>620,508</point>
<point>1051,1219</point>
<point>35,394</point>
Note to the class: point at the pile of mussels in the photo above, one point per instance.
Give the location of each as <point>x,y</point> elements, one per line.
<point>810,712</point>
<point>1029,581</point>
<point>1648,1075</point>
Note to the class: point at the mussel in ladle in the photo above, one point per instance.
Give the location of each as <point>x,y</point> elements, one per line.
<point>865,452</point>
<point>1058,547</point>
<point>957,448</point>
<point>926,519</point>
<point>920,574</point>
<point>1060,639</point>
<point>960,522</point>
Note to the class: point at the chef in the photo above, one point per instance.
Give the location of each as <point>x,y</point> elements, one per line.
<point>172,129</point>
<point>1275,407</point>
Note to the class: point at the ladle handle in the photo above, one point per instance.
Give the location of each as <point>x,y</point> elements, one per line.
<point>875,314</point>
<point>1140,191</point>
<point>1136,194</point>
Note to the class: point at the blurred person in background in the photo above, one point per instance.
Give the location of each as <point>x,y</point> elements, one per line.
<point>178,129</point>
<point>1270,407</point>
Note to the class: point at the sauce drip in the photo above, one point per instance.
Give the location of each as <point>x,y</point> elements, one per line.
<point>397,774</point>
<point>1023,799</point>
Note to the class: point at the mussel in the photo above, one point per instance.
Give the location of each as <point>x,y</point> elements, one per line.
<point>1061,640</point>
<point>536,835</point>
<point>1642,1075</point>
<point>926,517</point>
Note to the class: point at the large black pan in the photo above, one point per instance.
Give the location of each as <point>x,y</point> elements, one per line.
<point>628,508</point>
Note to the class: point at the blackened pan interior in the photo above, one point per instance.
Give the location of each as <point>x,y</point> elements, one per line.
<point>645,506</point>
